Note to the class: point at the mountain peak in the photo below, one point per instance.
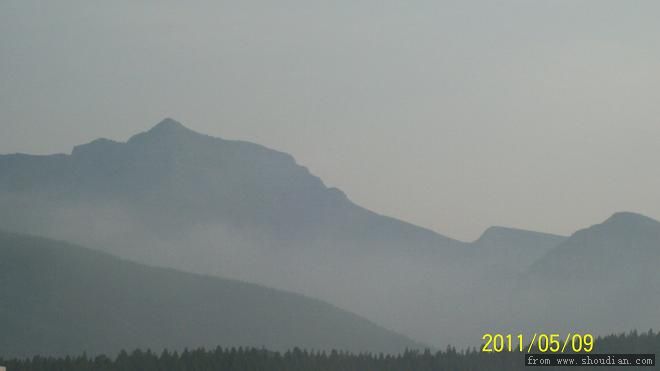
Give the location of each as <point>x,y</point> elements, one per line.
<point>628,219</point>
<point>166,129</point>
<point>169,125</point>
<point>621,229</point>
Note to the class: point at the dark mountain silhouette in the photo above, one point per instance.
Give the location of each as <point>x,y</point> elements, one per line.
<point>56,298</point>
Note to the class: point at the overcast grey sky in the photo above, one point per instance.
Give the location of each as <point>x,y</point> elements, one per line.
<point>455,115</point>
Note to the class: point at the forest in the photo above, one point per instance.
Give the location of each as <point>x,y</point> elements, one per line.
<point>255,359</point>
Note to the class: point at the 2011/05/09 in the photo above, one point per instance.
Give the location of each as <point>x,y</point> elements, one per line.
<point>553,343</point>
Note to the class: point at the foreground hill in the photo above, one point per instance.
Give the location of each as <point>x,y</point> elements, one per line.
<point>56,298</point>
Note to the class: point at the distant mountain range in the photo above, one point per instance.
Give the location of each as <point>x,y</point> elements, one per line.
<point>60,299</point>
<point>176,198</point>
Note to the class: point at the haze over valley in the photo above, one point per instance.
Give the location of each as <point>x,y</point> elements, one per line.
<point>325,186</point>
<point>176,198</point>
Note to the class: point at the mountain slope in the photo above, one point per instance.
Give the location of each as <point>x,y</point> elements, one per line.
<point>604,279</point>
<point>511,251</point>
<point>202,179</point>
<point>624,241</point>
<point>57,298</point>
<point>176,198</point>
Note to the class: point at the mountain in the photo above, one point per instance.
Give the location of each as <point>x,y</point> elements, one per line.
<point>512,251</point>
<point>176,198</point>
<point>623,244</point>
<point>512,239</point>
<point>604,278</point>
<point>171,176</point>
<point>58,299</point>
<point>192,178</point>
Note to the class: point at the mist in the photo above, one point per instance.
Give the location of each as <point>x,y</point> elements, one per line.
<point>175,198</point>
<point>427,171</point>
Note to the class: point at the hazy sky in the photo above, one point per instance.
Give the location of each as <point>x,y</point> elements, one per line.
<point>455,115</point>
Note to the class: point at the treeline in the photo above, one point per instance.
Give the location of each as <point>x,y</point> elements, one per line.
<point>252,359</point>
